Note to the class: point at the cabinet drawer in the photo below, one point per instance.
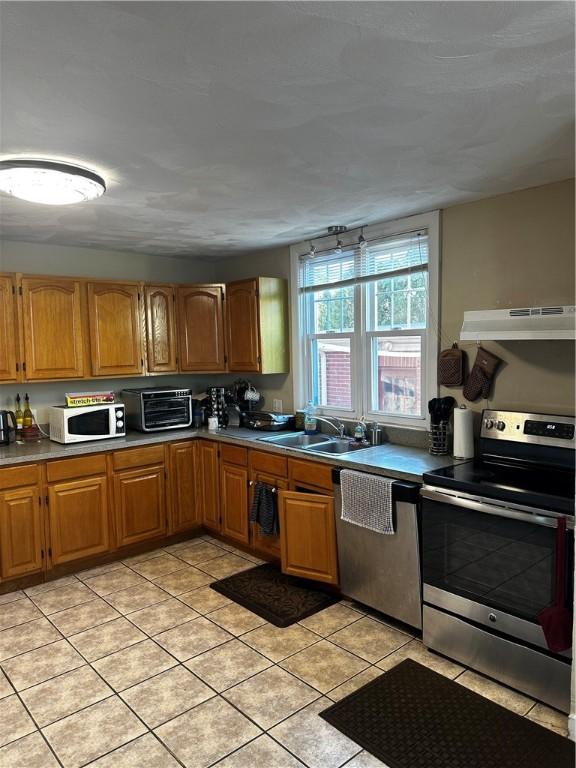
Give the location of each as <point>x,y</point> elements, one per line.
<point>81,467</point>
<point>310,473</point>
<point>268,462</point>
<point>233,454</point>
<point>18,477</point>
<point>139,457</point>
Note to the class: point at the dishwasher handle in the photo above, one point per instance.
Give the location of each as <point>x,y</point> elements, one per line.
<point>402,490</point>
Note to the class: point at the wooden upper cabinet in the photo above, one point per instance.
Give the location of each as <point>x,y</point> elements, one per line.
<point>257,321</point>
<point>115,329</point>
<point>21,533</point>
<point>201,328</point>
<point>53,328</point>
<point>9,369</point>
<point>308,536</point>
<point>243,330</point>
<point>160,328</point>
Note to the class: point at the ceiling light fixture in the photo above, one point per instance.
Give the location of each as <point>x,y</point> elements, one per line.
<point>48,182</point>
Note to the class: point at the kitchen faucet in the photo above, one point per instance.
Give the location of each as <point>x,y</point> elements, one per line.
<point>339,426</point>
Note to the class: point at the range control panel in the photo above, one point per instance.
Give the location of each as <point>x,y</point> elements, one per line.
<point>536,428</point>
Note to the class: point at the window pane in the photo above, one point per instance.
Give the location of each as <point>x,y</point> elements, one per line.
<point>333,310</point>
<point>331,373</point>
<point>398,302</point>
<point>396,375</point>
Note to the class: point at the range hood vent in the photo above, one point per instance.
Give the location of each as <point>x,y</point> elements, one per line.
<point>526,323</point>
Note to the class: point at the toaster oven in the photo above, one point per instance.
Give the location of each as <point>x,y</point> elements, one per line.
<point>152,409</point>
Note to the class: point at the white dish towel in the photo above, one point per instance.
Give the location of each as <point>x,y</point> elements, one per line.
<point>367,501</point>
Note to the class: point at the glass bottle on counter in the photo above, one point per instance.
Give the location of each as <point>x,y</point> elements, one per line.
<point>28,419</point>
<point>19,416</point>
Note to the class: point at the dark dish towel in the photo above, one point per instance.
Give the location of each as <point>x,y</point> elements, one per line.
<point>264,510</point>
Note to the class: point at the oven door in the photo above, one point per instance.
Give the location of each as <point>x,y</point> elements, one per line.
<point>491,564</point>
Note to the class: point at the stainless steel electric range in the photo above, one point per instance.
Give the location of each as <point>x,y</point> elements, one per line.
<point>493,558</point>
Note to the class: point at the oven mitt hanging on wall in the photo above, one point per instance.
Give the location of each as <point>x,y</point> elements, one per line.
<point>481,375</point>
<point>451,367</point>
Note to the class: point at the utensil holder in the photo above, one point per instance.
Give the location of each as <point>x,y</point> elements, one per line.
<point>438,439</point>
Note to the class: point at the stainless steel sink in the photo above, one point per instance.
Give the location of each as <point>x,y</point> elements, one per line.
<point>299,440</point>
<point>334,445</point>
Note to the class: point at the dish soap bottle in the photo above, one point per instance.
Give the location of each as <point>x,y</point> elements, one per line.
<point>360,432</point>
<point>310,423</point>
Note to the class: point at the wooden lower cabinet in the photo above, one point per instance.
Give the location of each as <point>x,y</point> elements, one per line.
<point>209,484</point>
<point>79,523</point>
<point>267,545</point>
<point>308,536</point>
<point>140,504</point>
<point>234,503</point>
<point>21,533</point>
<point>185,508</point>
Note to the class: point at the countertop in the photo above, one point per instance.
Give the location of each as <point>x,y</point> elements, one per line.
<point>391,459</point>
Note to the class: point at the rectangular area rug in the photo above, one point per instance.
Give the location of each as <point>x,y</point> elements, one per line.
<point>412,717</point>
<point>282,600</point>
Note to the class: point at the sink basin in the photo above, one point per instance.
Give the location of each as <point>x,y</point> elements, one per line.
<point>299,440</point>
<point>333,446</point>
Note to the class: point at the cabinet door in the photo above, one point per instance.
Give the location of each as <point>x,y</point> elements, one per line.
<point>115,329</point>
<point>242,322</point>
<point>160,328</point>
<point>8,339</point>
<point>53,329</point>
<point>140,505</point>
<point>201,328</point>
<point>209,482</point>
<point>234,502</point>
<point>21,536</point>
<point>269,545</point>
<point>308,536</point>
<point>185,506</point>
<point>78,513</point>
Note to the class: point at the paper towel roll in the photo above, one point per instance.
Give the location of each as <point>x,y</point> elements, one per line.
<point>463,433</point>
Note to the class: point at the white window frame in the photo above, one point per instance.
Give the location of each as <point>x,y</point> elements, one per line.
<point>360,365</point>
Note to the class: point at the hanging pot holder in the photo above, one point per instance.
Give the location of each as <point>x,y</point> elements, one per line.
<point>451,367</point>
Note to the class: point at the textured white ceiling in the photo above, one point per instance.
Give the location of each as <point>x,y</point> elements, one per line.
<point>227,127</point>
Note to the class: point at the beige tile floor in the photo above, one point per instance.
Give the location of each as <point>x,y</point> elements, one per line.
<point>139,664</point>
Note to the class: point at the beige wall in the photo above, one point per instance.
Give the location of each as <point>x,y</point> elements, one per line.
<point>514,250</point>
<point>46,259</point>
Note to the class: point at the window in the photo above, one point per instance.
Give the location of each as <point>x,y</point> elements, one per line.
<point>365,318</point>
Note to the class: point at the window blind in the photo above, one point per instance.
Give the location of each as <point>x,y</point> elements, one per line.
<point>362,262</point>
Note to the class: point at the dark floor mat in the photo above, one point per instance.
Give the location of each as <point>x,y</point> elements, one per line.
<point>411,717</point>
<point>282,600</point>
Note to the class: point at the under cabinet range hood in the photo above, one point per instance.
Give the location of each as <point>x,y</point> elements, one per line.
<point>527,323</point>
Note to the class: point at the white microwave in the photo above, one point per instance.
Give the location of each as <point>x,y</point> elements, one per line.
<point>92,422</point>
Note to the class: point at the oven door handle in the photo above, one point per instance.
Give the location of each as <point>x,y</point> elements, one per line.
<point>548,519</point>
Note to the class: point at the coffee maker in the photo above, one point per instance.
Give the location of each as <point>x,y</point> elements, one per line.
<point>217,405</point>
<point>7,427</point>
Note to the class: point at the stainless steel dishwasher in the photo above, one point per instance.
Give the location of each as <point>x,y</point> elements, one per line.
<point>379,570</point>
